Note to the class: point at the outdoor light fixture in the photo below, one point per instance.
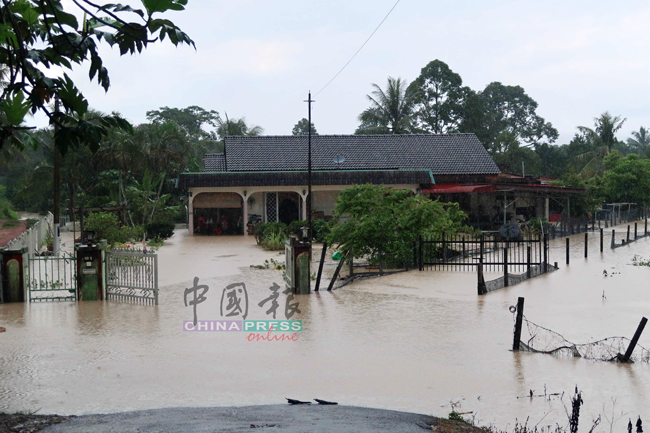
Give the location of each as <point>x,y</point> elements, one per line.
<point>305,232</point>
<point>303,192</point>
<point>244,193</point>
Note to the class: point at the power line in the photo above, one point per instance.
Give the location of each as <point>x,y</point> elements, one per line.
<point>364,44</point>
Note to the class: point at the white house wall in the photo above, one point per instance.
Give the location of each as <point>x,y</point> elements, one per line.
<point>324,197</point>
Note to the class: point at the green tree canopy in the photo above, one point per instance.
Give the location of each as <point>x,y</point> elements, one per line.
<point>302,128</point>
<point>439,95</point>
<point>383,223</point>
<point>390,110</point>
<point>627,179</point>
<point>38,37</point>
<point>501,109</point>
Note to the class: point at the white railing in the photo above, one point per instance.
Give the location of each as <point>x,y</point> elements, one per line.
<point>33,238</point>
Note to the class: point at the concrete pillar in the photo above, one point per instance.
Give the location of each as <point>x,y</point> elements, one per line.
<point>546,208</point>
<point>304,206</point>
<point>190,223</point>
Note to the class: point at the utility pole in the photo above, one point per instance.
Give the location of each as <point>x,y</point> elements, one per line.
<point>309,198</point>
<point>57,187</point>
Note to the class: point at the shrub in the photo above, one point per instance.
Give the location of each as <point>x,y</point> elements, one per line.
<point>160,230</point>
<point>274,241</point>
<point>265,229</point>
<point>106,226</point>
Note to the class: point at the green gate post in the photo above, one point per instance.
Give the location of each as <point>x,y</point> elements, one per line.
<point>13,275</point>
<point>90,272</point>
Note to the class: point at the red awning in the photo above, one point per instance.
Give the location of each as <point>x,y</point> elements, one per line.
<point>453,188</point>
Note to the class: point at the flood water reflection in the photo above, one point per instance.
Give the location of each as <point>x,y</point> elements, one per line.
<point>415,341</point>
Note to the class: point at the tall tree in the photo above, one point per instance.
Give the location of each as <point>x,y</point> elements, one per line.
<point>302,128</point>
<point>198,123</point>
<point>390,110</point>
<point>439,97</point>
<point>41,37</point>
<point>499,110</point>
<point>200,128</point>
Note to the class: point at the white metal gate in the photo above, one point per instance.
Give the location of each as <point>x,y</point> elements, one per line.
<point>132,276</point>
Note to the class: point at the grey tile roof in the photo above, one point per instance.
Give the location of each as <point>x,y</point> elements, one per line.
<point>442,154</point>
<point>214,162</point>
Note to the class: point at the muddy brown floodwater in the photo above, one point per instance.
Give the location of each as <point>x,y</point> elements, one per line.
<point>414,341</point>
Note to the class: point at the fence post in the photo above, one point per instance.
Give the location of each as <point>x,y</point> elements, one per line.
<point>635,339</point>
<point>601,240</point>
<point>320,266</point>
<point>415,255</point>
<point>336,273</point>
<point>628,234</point>
<point>351,258</point>
<point>528,261</point>
<point>444,249</point>
<point>421,255</point>
<point>567,251</point>
<point>635,234</point>
<point>586,243</point>
<point>518,323</point>
<point>545,253</point>
<point>505,266</point>
<point>613,238</point>
<point>482,289</point>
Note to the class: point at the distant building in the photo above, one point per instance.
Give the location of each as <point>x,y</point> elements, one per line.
<point>265,177</point>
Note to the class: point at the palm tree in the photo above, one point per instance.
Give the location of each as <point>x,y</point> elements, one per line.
<point>602,138</point>
<point>640,144</point>
<point>390,110</point>
<point>237,127</point>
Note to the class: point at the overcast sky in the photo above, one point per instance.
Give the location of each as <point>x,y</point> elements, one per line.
<point>259,59</point>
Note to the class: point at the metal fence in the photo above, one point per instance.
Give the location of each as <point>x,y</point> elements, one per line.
<point>600,219</point>
<point>132,276</point>
<point>463,252</point>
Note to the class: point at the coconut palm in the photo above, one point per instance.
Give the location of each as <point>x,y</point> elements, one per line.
<point>640,143</point>
<point>390,110</point>
<point>239,126</point>
<point>601,138</point>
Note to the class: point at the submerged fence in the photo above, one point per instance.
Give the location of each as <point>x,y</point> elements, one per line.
<point>463,252</point>
<point>600,219</point>
<point>518,259</point>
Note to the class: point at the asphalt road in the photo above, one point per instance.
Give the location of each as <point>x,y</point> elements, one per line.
<point>285,418</point>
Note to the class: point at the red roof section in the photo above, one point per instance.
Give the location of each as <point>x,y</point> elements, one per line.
<point>452,188</point>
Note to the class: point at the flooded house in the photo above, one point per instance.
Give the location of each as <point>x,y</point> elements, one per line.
<point>264,178</point>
